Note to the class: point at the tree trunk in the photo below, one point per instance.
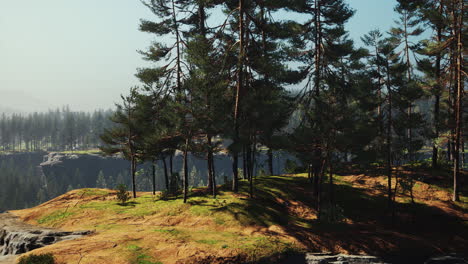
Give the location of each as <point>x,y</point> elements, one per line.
<point>186,171</point>
<point>178,54</point>
<point>239,88</point>
<point>410,108</point>
<point>270,161</point>
<point>132,171</point>
<point>244,163</point>
<point>252,170</point>
<point>458,103</point>
<point>153,166</point>
<point>166,178</point>
<point>171,165</point>
<point>210,175</point>
<point>389,141</point>
<point>235,173</point>
<point>435,150</point>
<point>331,194</point>
<point>214,177</point>
<point>319,190</point>
<point>211,180</point>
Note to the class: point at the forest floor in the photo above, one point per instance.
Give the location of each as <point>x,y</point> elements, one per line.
<point>280,221</point>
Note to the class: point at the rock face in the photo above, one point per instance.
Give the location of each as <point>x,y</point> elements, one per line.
<point>17,237</point>
<point>451,259</point>
<point>324,258</point>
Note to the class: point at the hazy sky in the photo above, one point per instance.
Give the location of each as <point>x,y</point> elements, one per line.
<point>84,53</point>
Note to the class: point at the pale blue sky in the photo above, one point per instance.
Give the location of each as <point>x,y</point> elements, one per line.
<point>84,53</point>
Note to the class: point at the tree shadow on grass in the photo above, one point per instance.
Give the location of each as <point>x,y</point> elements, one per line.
<point>417,232</point>
<point>129,204</point>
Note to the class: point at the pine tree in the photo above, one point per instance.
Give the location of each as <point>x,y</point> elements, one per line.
<point>324,42</point>
<point>432,66</point>
<point>408,27</point>
<point>101,180</point>
<point>123,138</point>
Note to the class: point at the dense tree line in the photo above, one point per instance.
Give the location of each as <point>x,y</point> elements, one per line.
<point>224,85</point>
<point>57,130</point>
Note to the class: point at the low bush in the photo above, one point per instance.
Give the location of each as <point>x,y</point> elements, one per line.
<point>37,259</point>
<point>122,194</point>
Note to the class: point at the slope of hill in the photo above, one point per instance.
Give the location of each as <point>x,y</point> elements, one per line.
<point>233,228</point>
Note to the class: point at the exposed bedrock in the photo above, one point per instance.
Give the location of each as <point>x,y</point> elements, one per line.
<point>17,237</point>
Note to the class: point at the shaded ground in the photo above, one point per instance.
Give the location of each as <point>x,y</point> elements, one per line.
<point>236,229</point>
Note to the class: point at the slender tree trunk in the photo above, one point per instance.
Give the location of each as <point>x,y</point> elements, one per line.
<point>133,171</point>
<point>166,177</point>
<point>251,183</point>
<point>212,181</point>
<point>435,150</point>
<point>462,152</point>
<point>214,177</point>
<point>389,141</point>
<point>210,175</point>
<point>248,155</point>
<point>318,48</point>
<point>244,162</point>
<point>186,170</point>
<point>240,80</point>
<point>171,165</point>
<point>319,189</point>
<point>319,166</point>
<point>458,103</point>
<point>410,108</point>
<point>331,191</point>
<point>270,161</point>
<point>178,58</point>
<point>153,165</point>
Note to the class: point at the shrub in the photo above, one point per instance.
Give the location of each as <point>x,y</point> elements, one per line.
<point>37,259</point>
<point>292,167</point>
<point>122,194</point>
<point>164,195</point>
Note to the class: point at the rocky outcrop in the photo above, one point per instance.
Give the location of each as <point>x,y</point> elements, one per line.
<point>17,237</point>
<point>327,258</point>
<point>324,258</point>
<point>450,259</point>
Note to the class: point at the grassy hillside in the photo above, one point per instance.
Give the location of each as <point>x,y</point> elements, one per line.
<point>236,229</point>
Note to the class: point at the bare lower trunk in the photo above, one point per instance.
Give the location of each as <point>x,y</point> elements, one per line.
<point>186,170</point>
<point>331,193</point>
<point>214,191</point>
<point>132,171</point>
<point>458,104</point>
<point>166,178</point>
<point>319,190</point>
<point>270,161</point>
<point>171,166</point>
<point>244,163</point>
<point>153,166</point>
<point>235,173</point>
<point>211,175</point>
<point>239,88</point>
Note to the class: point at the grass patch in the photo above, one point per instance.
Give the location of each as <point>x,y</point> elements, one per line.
<point>54,217</point>
<point>138,255</point>
<point>208,241</point>
<point>82,152</point>
<point>92,192</point>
